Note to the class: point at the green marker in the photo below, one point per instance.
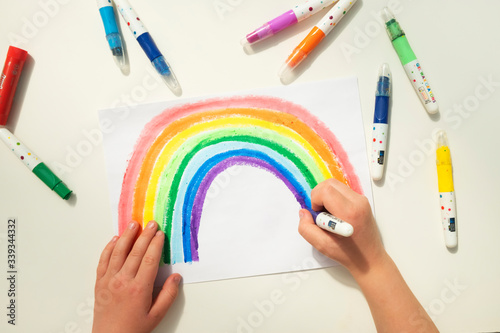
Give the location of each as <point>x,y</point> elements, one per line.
<point>34,164</point>
<point>410,62</point>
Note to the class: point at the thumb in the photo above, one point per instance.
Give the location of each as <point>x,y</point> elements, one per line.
<point>313,234</point>
<point>166,297</point>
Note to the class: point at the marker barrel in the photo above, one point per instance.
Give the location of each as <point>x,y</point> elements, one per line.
<point>148,45</point>
<point>332,224</point>
<point>272,27</point>
<point>421,86</point>
<point>381,113</point>
<point>333,17</point>
<point>285,20</point>
<point>305,47</point>
<point>108,17</point>
<point>380,122</point>
<point>315,36</point>
<point>410,62</point>
<point>446,190</point>
<point>310,7</point>
<point>133,21</point>
<point>9,78</point>
<point>379,149</point>
<point>449,218</point>
<point>112,33</point>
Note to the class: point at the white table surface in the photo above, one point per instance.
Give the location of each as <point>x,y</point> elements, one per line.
<point>70,75</point>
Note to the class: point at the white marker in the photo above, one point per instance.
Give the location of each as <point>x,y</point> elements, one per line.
<point>332,224</point>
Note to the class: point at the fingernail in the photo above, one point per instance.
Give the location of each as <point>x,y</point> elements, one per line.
<point>301,214</point>
<point>131,225</point>
<point>151,224</point>
<point>177,279</point>
<point>114,239</point>
<point>159,233</point>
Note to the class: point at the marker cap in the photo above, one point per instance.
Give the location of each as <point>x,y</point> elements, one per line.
<point>442,139</point>
<point>444,163</point>
<point>392,26</point>
<point>17,53</point>
<point>387,15</point>
<point>63,191</point>
<point>344,229</point>
<point>301,51</point>
<point>163,68</point>
<point>52,181</point>
<point>116,46</point>
<point>260,34</point>
<point>384,81</point>
<point>384,70</point>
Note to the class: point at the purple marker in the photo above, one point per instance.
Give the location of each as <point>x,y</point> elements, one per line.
<point>297,14</point>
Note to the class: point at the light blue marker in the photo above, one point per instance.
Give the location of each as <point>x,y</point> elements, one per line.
<point>112,32</point>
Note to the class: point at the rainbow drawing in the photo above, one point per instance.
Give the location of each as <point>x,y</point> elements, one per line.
<point>182,150</point>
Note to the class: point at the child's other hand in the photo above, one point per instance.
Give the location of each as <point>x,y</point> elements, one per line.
<point>125,278</point>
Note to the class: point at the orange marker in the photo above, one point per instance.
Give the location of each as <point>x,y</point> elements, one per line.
<point>331,19</point>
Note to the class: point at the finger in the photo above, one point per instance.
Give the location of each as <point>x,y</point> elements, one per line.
<point>102,267</point>
<point>333,195</point>
<point>166,297</point>
<point>149,264</point>
<point>136,255</point>
<point>122,247</point>
<point>320,239</point>
<point>343,188</point>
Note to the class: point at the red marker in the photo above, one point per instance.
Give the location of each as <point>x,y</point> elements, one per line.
<point>9,79</point>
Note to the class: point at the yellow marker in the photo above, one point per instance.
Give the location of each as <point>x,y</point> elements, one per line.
<point>446,190</point>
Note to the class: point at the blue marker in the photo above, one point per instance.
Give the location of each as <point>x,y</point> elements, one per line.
<point>148,45</point>
<point>112,33</point>
<point>380,122</point>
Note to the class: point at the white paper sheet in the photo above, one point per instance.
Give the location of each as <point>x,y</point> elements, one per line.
<point>250,218</point>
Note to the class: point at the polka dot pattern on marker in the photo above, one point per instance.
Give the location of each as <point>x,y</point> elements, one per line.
<point>448,208</point>
<point>130,16</point>
<point>335,15</point>
<point>377,144</point>
<point>24,154</point>
<point>310,8</point>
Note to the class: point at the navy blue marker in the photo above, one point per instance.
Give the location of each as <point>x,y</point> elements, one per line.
<point>148,45</point>
<point>380,122</point>
<point>112,33</point>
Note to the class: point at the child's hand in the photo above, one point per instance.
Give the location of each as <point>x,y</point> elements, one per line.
<point>358,252</point>
<point>393,305</point>
<point>125,278</point>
